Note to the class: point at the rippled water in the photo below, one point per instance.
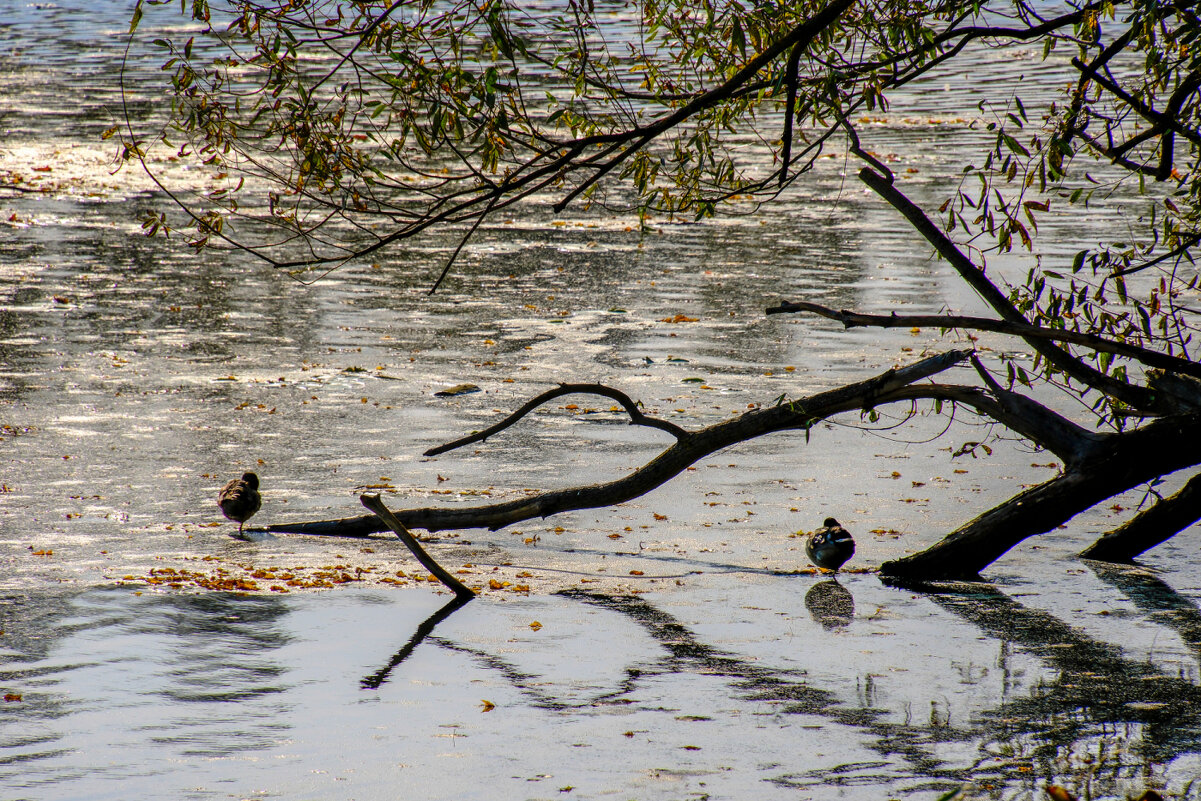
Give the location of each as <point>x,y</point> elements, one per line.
<point>135,378</point>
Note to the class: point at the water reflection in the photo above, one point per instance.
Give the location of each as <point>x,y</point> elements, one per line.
<point>1156,598</point>
<point>115,683</point>
<point>424,630</point>
<point>830,604</point>
<point>1098,695</point>
<point>111,683</point>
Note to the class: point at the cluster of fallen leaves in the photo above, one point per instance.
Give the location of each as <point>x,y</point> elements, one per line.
<point>242,578</point>
<point>1057,793</point>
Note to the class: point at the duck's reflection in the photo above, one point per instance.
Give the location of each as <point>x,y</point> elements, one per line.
<point>830,604</point>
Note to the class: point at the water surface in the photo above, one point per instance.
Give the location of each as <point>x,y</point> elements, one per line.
<point>136,377</point>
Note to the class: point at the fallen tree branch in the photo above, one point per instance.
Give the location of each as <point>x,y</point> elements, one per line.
<point>850,319</point>
<point>376,505</point>
<point>1116,464</point>
<point>1150,527</point>
<point>637,418</point>
<point>1042,426</point>
<point>797,414</point>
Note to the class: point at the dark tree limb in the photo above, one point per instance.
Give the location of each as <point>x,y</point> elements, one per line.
<point>1116,464</point>
<point>850,319</point>
<point>1163,121</point>
<point>385,515</point>
<point>797,414</point>
<point>1042,426</point>
<point>790,83</point>
<point>1150,527</point>
<point>637,418</point>
<point>1130,394</point>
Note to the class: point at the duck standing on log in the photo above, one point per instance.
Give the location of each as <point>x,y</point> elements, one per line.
<point>240,499</point>
<point>830,546</point>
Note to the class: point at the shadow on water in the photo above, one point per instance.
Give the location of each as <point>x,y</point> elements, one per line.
<point>1097,694</point>
<point>427,626</point>
<point>1141,716</point>
<point>1154,597</point>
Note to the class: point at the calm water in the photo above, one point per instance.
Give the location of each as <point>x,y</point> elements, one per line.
<point>135,378</point>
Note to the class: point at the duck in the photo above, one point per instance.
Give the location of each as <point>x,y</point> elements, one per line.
<point>240,499</point>
<point>830,546</point>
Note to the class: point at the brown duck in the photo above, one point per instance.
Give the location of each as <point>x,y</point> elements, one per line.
<point>830,546</point>
<point>240,499</point>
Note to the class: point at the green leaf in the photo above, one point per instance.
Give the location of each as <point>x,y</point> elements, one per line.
<point>738,38</point>
<point>1014,145</point>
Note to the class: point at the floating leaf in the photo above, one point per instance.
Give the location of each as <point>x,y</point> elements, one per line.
<point>486,705</point>
<point>457,389</point>
<point>535,625</point>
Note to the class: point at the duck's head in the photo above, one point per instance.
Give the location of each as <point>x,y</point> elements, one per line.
<point>251,479</point>
<point>830,522</point>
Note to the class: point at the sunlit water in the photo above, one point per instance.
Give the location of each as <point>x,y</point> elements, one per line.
<point>135,378</point>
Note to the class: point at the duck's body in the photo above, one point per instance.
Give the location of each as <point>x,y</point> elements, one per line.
<point>240,499</point>
<point>830,546</point>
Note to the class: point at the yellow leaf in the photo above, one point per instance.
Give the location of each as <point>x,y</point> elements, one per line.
<point>535,625</point>
<point>486,705</point>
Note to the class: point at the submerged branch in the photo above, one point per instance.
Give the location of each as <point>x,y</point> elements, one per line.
<point>1150,527</point>
<point>385,515</point>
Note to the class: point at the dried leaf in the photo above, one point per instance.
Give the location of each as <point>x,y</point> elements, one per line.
<point>457,389</point>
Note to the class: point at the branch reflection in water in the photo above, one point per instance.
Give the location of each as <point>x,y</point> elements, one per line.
<point>1139,715</point>
<point>427,626</point>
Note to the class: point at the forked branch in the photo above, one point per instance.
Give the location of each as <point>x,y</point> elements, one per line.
<point>797,414</point>
<point>637,417</point>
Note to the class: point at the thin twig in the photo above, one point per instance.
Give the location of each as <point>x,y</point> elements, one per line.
<point>851,319</point>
